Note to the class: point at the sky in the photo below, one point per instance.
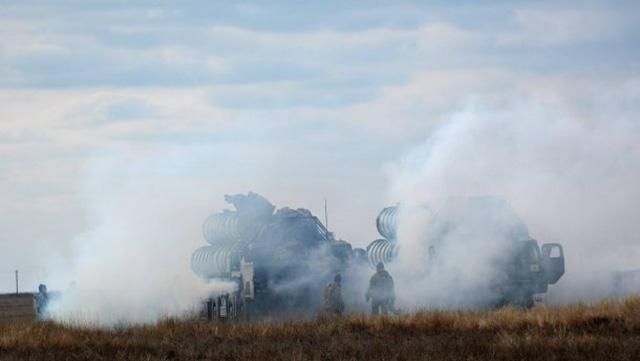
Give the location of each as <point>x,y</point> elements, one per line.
<point>151,111</point>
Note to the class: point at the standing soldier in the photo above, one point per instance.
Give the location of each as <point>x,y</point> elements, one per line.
<point>333,303</point>
<point>380,291</point>
<point>40,301</point>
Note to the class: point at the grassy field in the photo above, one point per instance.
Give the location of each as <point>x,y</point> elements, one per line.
<point>16,308</point>
<point>605,331</point>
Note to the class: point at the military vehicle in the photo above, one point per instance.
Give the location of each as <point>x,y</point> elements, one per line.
<point>280,260</point>
<point>455,229</point>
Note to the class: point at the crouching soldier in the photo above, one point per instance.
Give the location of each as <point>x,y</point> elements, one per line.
<point>380,291</point>
<point>40,302</point>
<point>333,303</point>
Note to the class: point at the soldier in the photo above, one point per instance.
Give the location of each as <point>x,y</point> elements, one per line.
<point>333,303</point>
<point>380,291</point>
<point>40,301</point>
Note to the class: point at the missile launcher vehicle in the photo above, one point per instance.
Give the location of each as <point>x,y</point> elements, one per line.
<point>484,232</point>
<point>281,260</point>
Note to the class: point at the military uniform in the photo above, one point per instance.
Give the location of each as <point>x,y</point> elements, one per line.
<point>40,302</point>
<point>380,291</point>
<point>333,302</point>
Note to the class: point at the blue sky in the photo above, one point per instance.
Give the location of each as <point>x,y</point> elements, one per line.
<point>296,100</point>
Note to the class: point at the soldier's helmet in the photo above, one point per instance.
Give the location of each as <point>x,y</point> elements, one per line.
<point>337,278</point>
<point>380,266</point>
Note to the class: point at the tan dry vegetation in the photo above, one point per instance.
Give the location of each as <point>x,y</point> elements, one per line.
<point>605,331</point>
<point>16,308</point>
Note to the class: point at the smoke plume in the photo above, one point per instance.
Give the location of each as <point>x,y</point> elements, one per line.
<point>571,178</point>
<point>132,265</point>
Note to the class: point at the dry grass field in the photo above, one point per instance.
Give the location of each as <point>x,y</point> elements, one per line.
<point>605,331</point>
<point>16,308</point>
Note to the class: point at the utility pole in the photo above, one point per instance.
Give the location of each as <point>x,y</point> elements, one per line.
<point>17,284</point>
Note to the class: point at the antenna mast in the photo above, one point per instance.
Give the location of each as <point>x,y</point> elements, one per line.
<point>326,215</point>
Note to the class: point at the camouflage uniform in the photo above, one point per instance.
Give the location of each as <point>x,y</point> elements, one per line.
<point>333,302</point>
<point>380,291</point>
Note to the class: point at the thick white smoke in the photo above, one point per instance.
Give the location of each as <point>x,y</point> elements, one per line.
<point>572,178</point>
<point>132,266</point>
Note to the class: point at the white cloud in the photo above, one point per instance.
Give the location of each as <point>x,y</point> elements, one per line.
<point>443,36</point>
<point>554,27</point>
